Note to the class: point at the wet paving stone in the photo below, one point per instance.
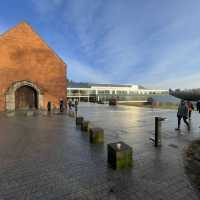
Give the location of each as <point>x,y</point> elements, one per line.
<point>46,157</point>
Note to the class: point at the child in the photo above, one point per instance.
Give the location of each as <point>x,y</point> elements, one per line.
<point>190,108</point>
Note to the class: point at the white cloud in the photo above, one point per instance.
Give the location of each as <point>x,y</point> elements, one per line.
<point>76,69</point>
<point>137,42</point>
<point>182,82</point>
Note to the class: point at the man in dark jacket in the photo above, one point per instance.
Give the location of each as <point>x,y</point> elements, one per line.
<point>182,113</point>
<point>61,105</point>
<point>198,106</point>
<point>76,107</point>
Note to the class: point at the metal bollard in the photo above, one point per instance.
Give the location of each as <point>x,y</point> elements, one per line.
<point>49,106</point>
<point>158,121</point>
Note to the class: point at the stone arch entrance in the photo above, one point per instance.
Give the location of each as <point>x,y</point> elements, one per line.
<point>23,95</point>
<point>26,98</point>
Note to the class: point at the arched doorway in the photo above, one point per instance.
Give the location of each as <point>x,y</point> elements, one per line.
<point>23,95</point>
<point>26,98</point>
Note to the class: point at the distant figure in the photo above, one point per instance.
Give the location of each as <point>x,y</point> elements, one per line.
<point>190,108</point>
<point>182,113</point>
<point>73,103</point>
<point>61,105</point>
<point>76,107</point>
<point>70,104</point>
<point>198,106</point>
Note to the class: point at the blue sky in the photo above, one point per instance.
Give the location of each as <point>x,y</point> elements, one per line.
<point>155,43</point>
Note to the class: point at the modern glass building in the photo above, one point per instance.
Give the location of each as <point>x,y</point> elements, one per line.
<point>104,92</point>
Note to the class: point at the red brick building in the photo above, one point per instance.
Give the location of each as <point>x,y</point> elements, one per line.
<point>31,74</point>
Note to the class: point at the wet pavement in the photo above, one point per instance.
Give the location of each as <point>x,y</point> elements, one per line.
<point>47,157</point>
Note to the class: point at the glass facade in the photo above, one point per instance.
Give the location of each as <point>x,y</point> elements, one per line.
<point>104,94</point>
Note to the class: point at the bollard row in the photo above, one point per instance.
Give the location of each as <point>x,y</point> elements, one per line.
<point>119,155</point>
<point>96,134</point>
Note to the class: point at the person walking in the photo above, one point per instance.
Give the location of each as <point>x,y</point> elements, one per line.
<point>61,105</point>
<point>70,104</point>
<point>190,108</point>
<point>182,113</point>
<point>76,107</point>
<point>198,106</point>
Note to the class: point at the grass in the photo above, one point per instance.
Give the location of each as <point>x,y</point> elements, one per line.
<point>192,162</point>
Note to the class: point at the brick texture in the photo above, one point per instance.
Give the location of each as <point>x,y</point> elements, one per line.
<point>25,56</point>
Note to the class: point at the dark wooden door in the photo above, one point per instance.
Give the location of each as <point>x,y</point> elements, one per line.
<point>25,98</point>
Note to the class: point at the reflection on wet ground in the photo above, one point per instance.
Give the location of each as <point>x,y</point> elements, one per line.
<point>130,119</point>
<point>47,157</point>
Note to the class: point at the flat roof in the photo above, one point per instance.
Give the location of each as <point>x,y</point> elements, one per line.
<point>89,85</point>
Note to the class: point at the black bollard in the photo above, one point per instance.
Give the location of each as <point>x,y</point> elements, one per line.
<point>158,123</point>
<point>49,106</point>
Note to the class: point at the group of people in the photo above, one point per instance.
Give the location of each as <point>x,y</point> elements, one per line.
<point>63,107</point>
<point>184,111</point>
<point>73,104</point>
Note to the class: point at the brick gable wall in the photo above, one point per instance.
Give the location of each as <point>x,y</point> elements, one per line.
<point>25,56</point>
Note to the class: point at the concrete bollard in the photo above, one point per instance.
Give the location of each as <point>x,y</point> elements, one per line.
<point>85,126</point>
<point>119,155</point>
<point>96,135</point>
<point>79,121</point>
<point>29,113</point>
<point>71,114</point>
